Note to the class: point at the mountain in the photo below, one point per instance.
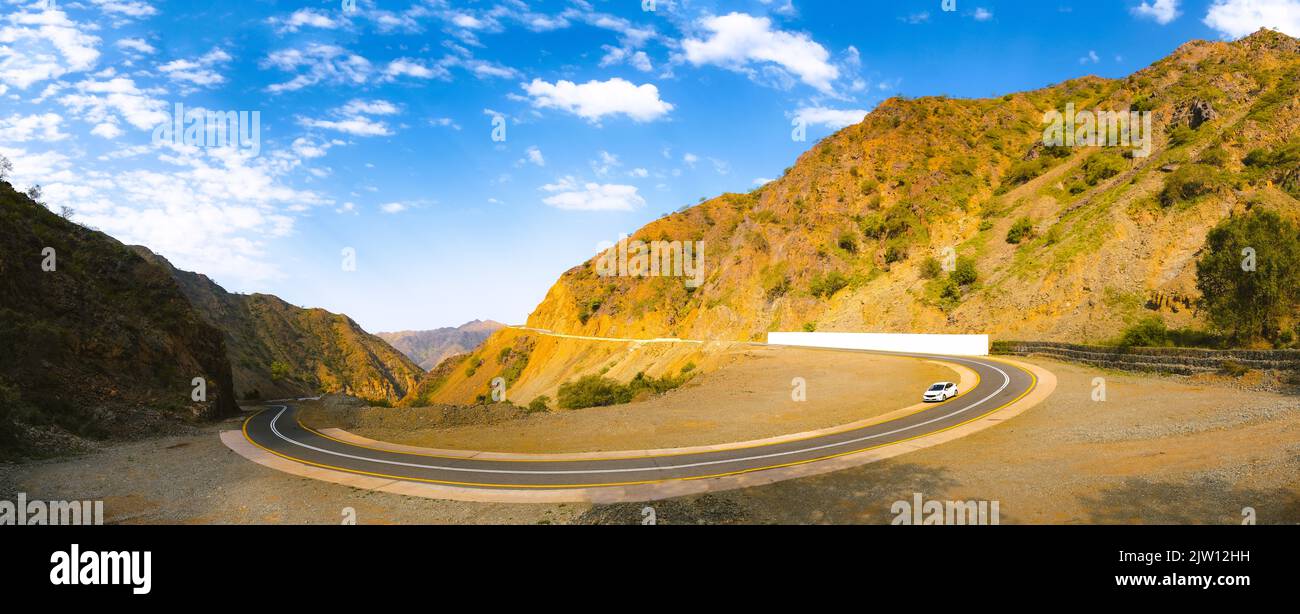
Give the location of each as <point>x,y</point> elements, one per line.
<point>430,347</point>
<point>101,344</point>
<point>1073,243</point>
<point>278,350</point>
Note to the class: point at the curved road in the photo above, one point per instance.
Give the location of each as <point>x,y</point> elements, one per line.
<point>278,431</point>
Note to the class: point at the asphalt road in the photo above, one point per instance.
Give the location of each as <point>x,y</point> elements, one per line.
<point>278,431</point>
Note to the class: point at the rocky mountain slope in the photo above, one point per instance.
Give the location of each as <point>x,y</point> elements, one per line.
<point>96,340</point>
<point>428,348</point>
<point>278,350</point>
<point>1051,243</point>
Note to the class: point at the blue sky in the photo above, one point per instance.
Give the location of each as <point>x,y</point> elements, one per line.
<point>377,121</point>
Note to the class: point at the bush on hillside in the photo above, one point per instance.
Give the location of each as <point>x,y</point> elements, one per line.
<point>826,286</point>
<point>598,391</point>
<point>1190,183</point>
<point>964,274</point>
<point>1151,332</point>
<point>1021,230</point>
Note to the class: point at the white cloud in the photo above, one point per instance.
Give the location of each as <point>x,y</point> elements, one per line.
<point>355,118</point>
<point>369,107</point>
<point>1162,11</point>
<point>317,63</point>
<point>304,18</point>
<point>211,210</point>
<point>738,40</point>
<point>126,8</point>
<point>605,163</point>
<point>107,103</point>
<point>36,47</point>
<point>1238,18</point>
<point>394,208</point>
<point>534,156</point>
<point>570,195</point>
<point>618,55</point>
<point>22,128</point>
<point>416,69</point>
<point>830,118</point>
<point>596,99</point>
<point>983,14</point>
<point>198,71</point>
<point>444,122</point>
<point>138,45</point>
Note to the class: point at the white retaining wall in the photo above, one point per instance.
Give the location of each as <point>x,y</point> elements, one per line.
<point>950,345</point>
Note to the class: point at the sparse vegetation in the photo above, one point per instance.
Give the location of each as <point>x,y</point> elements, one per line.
<point>1020,231</point>
<point>826,286</point>
<point>598,391</point>
<point>540,405</point>
<point>931,268</point>
<point>1151,332</point>
<point>280,371</point>
<point>1189,183</point>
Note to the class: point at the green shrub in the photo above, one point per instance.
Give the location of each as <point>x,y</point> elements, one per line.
<point>848,243</point>
<point>931,268</point>
<point>1214,156</point>
<point>280,371</point>
<point>1021,230</point>
<point>1233,368</point>
<point>540,405</point>
<point>826,286</point>
<point>473,367</point>
<point>1151,332</point>
<point>1181,135</point>
<point>597,391</point>
<point>895,253</point>
<point>1103,166</point>
<point>809,327</point>
<point>775,282</point>
<point>965,274</point>
<point>1189,183</point>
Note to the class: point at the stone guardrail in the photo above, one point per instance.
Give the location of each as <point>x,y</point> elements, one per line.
<point>1182,361</point>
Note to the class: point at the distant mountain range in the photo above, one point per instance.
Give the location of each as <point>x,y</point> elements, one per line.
<point>428,348</point>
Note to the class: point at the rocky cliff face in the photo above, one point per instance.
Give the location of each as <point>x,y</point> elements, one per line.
<point>428,348</point>
<point>1060,243</point>
<point>98,341</point>
<point>278,350</point>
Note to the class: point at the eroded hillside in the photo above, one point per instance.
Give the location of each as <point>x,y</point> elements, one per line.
<point>1055,243</point>
<point>278,350</point>
<point>96,340</point>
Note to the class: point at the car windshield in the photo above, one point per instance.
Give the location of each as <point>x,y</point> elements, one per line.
<point>937,387</point>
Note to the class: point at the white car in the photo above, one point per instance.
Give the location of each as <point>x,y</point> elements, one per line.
<point>941,392</point>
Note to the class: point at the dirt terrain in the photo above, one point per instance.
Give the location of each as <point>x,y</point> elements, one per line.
<point>750,399</point>
<point>1158,450</point>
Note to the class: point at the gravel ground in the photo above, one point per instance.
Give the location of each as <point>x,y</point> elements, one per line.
<point>1159,450</point>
